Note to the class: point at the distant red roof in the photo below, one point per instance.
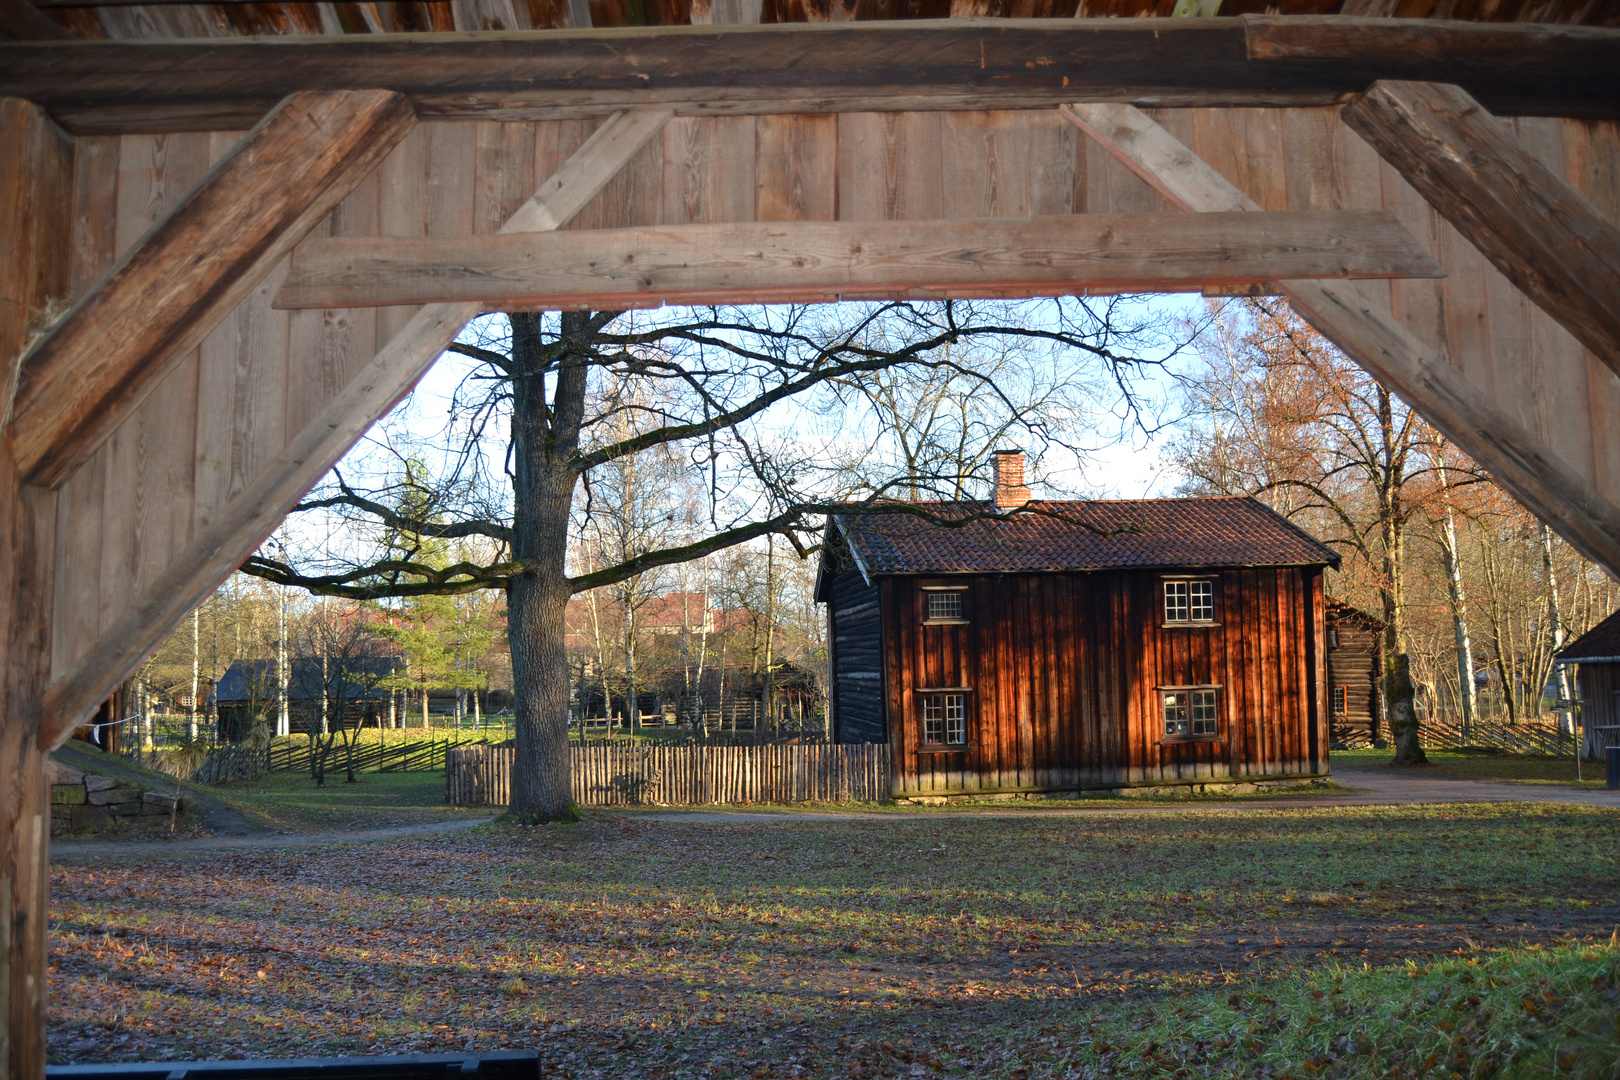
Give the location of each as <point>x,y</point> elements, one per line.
<point>1082,535</point>
<point>1602,642</point>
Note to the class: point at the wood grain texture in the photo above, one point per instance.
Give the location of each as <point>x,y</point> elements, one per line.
<point>801,261</point>
<point>36,185</point>
<point>22,21</point>
<point>1355,319</point>
<point>1528,66</point>
<point>36,204</point>
<point>111,87</point>
<point>101,360</point>
<point>1525,217</point>
<point>223,535</point>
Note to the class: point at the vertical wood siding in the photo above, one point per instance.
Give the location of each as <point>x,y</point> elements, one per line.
<point>1354,665</point>
<point>1063,671</point>
<point>856,660</point>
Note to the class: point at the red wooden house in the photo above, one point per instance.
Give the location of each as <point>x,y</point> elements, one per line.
<point>1054,647</point>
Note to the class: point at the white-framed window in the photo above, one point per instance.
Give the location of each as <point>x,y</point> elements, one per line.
<point>944,605</point>
<point>1341,701</point>
<point>1189,601</point>
<point>944,718</point>
<point>1191,713</point>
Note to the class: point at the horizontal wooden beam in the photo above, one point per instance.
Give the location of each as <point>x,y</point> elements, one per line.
<point>85,374</point>
<point>232,533</point>
<point>767,262</point>
<point>115,87</point>
<point>1516,457</point>
<point>1524,217</point>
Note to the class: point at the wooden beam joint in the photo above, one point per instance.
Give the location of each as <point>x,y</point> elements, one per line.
<point>89,371</point>
<point>1524,217</point>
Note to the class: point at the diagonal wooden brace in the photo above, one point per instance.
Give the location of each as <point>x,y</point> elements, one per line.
<point>1525,218</point>
<point>1347,314</point>
<point>93,367</point>
<point>237,529</point>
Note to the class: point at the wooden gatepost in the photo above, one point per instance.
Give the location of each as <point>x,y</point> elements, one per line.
<point>227,250</point>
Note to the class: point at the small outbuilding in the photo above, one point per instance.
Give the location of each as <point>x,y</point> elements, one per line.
<point>1355,674</point>
<point>1019,647</point>
<point>1596,654</point>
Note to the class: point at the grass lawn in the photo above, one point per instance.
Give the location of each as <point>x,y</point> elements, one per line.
<point>283,800</point>
<point>289,801</point>
<point>1473,765</point>
<point>1467,940</point>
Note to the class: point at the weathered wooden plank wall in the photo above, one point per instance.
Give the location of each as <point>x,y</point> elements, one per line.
<point>1063,672</point>
<point>223,416</point>
<point>686,775</point>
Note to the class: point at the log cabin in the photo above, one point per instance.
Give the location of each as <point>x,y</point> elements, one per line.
<point>1355,675</point>
<point>1020,647</point>
<point>1597,677</point>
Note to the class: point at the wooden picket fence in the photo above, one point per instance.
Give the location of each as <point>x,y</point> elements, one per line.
<point>686,775</point>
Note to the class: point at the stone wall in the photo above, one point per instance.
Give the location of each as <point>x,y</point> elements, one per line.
<point>85,801</point>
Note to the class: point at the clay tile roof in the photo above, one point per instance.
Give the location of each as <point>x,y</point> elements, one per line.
<point>1602,642</point>
<point>1053,536</point>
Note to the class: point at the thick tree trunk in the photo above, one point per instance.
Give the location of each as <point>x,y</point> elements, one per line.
<point>1403,723</point>
<point>544,439</point>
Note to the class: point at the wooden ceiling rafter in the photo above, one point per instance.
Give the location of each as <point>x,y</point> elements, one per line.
<point>105,87</point>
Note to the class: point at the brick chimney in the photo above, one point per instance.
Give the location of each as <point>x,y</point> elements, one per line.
<point>1011,491</point>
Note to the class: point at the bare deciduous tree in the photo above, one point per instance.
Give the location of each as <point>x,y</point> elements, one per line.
<point>584,391</point>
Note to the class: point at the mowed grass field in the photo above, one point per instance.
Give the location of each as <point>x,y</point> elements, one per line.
<point>1474,765</point>
<point>1466,941</point>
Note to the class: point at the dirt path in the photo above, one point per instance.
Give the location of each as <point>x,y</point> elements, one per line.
<point>64,850</point>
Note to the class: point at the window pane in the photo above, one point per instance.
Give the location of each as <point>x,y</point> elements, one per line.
<point>956,719</point>
<point>1175,601</point>
<point>945,719</point>
<point>1201,607</point>
<point>1341,700</point>
<point>1203,712</point>
<point>944,605</point>
<point>1175,713</point>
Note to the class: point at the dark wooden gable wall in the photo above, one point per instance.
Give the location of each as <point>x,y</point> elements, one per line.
<point>856,661</point>
<point>1599,685</point>
<point>1063,674</point>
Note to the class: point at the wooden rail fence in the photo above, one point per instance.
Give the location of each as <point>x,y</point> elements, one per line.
<point>1521,738</point>
<point>685,775</point>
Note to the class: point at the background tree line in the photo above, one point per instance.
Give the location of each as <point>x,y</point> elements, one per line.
<point>1474,590</point>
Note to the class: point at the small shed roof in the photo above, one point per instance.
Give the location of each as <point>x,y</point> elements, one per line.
<point>1051,535</point>
<point>249,680</point>
<point>1600,643</point>
<point>1339,611</point>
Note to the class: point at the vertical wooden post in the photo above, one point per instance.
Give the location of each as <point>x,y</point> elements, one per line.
<point>36,185</point>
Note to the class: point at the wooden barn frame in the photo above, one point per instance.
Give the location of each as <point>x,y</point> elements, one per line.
<point>225,256</point>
